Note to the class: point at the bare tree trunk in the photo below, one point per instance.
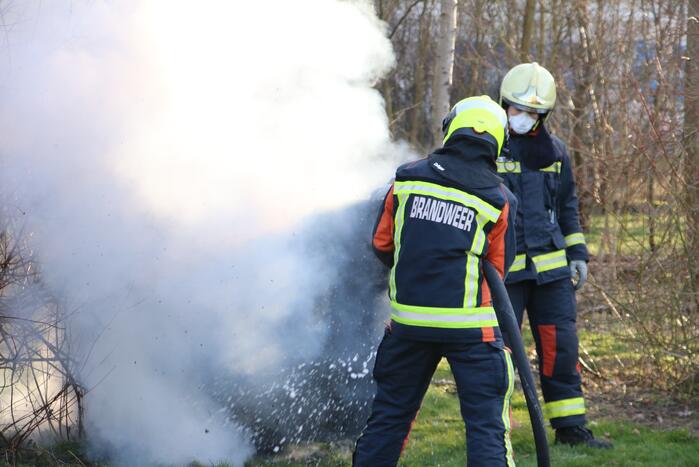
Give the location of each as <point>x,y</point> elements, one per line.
<point>583,152</point>
<point>417,120</point>
<point>650,198</point>
<point>557,33</point>
<point>691,138</point>
<point>477,32</point>
<point>527,29</point>
<point>387,92</point>
<point>444,66</point>
<point>541,34</point>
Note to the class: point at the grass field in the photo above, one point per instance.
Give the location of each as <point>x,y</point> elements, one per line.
<point>647,428</point>
<point>438,438</point>
<point>631,420</point>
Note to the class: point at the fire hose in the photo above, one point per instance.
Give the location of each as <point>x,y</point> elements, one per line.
<point>508,324</point>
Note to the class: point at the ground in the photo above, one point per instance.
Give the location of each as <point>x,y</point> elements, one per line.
<point>648,428</point>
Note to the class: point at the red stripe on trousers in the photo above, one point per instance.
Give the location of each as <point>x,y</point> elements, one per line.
<point>547,335</point>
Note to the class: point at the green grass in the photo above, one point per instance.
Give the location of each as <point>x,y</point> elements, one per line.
<point>66,453</point>
<point>632,231</point>
<point>438,436</point>
<point>438,439</point>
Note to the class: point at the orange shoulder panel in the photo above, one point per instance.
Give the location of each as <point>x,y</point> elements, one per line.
<point>383,237</point>
<point>496,242</point>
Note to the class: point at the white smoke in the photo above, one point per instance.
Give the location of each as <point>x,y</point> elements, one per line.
<point>163,154</point>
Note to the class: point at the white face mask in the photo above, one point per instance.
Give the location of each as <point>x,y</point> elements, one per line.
<point>522,123</point>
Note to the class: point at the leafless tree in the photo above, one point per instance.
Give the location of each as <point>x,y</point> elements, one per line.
<point>39,393</point>
<point>627,84</point>
<point>444,65</point>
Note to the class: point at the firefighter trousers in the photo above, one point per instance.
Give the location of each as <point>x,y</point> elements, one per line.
<point>551,312</point>
<point>403,370</point>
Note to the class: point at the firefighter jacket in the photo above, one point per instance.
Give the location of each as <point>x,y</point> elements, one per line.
<point>548,225</point>
<point>441,217</point>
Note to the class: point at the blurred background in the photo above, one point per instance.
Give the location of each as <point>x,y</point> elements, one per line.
<point>186,195</point>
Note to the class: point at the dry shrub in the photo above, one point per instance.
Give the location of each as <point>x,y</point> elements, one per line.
<point>39,395</point>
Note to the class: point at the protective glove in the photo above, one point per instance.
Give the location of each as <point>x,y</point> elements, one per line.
<point>578,268</point>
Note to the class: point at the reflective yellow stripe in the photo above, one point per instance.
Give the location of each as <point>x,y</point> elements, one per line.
<point>462,318</point>
<point>555,168</point>
<point>549,261</point>
<point>400,220</point>
<point>575,239</point>
<point>506,409</point>
<point>471,281</point>
<point>565,407</point>
<point>514,167</point>
<point>478,244</point>
<point>451,194</point>
<point>506,166</point>
<point>519,263</point>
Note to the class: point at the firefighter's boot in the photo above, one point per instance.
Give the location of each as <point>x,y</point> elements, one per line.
<point>580,436</point>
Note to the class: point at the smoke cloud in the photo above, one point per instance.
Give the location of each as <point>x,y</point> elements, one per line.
<point>190,172</point>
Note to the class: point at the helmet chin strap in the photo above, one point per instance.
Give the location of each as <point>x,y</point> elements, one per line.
<point>536,125</point>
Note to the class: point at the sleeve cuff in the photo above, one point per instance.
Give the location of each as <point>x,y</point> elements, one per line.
<point>578,253</point>
<point>575,239</point>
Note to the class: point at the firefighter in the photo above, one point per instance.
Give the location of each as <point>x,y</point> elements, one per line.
<point>551,247</point>
<point>441,218</point>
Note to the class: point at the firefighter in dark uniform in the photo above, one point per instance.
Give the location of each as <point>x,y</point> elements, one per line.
<point>441,218</point>
<point>551,247</point>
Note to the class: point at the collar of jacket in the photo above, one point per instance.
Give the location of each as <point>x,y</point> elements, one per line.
<point>534,150</point>
<point>467,162</point>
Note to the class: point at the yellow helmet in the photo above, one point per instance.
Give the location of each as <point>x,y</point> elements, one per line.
<point>529,87</point>
<point>477,117</point>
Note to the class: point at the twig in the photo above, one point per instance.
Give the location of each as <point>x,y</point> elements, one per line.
<point>76,458</point>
